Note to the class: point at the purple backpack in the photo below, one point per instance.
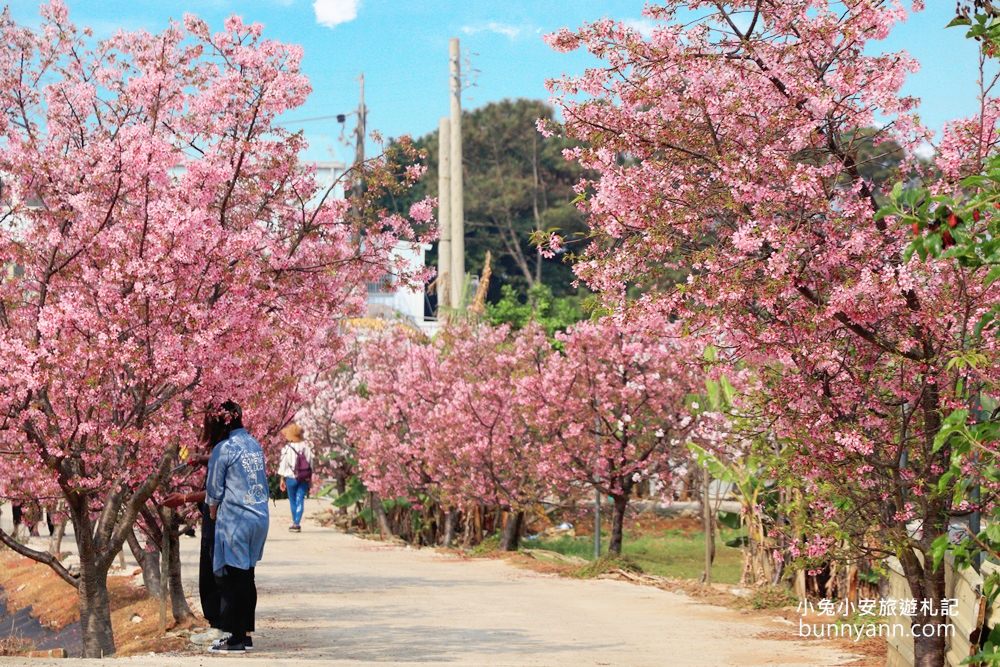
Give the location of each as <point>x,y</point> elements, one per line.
<point>303,471</point>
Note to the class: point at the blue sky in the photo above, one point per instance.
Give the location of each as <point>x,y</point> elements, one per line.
<point>402,47</point>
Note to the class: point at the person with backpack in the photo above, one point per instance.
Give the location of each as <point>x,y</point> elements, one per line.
<point>295,470</point>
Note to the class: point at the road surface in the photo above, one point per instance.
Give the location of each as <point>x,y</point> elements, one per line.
<point>326,598</point>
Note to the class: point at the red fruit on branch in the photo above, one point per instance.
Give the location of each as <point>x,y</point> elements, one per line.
<point>947,240</point>
<point>953,220</point>
<point>975,214</point>
<point>916,229</point>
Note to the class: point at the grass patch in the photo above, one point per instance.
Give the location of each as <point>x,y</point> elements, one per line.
<point>772,597</point>
<point>671,553</point>
<point>487,546</point>
<point>607,563</point>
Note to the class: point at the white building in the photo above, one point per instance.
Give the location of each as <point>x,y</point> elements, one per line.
<point>393,298</point>
<point>390,298</point>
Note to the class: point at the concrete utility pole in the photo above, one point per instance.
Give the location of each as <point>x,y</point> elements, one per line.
<point>457,203</point>
<point>359,139</point>
<point>444,214</point>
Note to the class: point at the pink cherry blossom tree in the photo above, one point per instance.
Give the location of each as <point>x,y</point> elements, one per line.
<point>385,412</point>
<point>164,249</point>
<point>727,151</point>
<point>488,445</point>
<point>435,422</point>
<point>488,417</point>
<point>614,408</point>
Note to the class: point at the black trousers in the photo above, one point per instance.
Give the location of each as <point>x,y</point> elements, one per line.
<point>239,601</point>
<point>208,588</point>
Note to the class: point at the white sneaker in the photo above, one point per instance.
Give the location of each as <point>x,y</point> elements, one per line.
<point>208,636</point>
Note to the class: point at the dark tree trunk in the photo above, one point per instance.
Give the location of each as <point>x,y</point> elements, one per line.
<point>708,526</point>
<point>926,584</point>
<point>510,539</point>
<point>99,538</point>
<point>450,521</point>
<point>95,609</point>
<point>148,559</point>
<point>341,490</point>
<point>178,603</point>
<point>617,523</point>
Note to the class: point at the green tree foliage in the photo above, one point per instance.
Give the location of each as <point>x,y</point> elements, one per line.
<point>516,182</point>
<point>551,312</point>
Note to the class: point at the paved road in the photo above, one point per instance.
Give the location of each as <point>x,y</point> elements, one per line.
<point>330,598</point>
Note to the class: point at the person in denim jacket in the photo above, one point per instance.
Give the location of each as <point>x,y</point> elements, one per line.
<point>236,494</point>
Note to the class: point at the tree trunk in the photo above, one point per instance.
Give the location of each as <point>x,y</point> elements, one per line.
<point>926,584</point>
<point>450,521</point>
<point>617,523</point>
<point>341,490</point>
<point>95,609</point>
<point>708,525</point>
<point>149,561</point>
<point>510,539</point>
<point>55,540</point>
<point>379,511</point>
<point>178,603</point>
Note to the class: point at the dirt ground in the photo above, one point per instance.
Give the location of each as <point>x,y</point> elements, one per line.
<point>330,598</point>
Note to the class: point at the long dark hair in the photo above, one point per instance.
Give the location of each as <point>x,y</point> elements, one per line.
<point>220,421</point>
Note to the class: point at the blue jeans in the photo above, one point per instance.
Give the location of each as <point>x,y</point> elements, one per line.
<point>297,492</point>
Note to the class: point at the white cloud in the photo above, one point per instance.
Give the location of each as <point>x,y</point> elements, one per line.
<point>509,31</point>
<point>331,13</point>
<point>642,26</point>
<point>925,151</point>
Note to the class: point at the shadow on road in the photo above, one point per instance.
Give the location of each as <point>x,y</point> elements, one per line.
<point>382,641</point>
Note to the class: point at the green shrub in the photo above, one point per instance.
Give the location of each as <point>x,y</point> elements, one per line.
<point>607,563</point>
<point>772,597</point>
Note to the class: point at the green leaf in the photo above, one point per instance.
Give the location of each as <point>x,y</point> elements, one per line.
<point>938,549</point>
<point>884,211</point>
<point>728,391</point>
<point>713,389</point>
<point>975,181</point>
<point>716,468</point>
<point>944,482</point>
<point>953,423</point>
<point>354,493</point>
<point>992,276</point>
<point>957,21</point>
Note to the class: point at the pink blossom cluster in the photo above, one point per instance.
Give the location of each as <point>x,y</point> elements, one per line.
<point>487,415</point>
<point>730,195</point>
<point>163,249</point>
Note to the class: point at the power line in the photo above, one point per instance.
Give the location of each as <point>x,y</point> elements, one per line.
<point>340,117</point>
